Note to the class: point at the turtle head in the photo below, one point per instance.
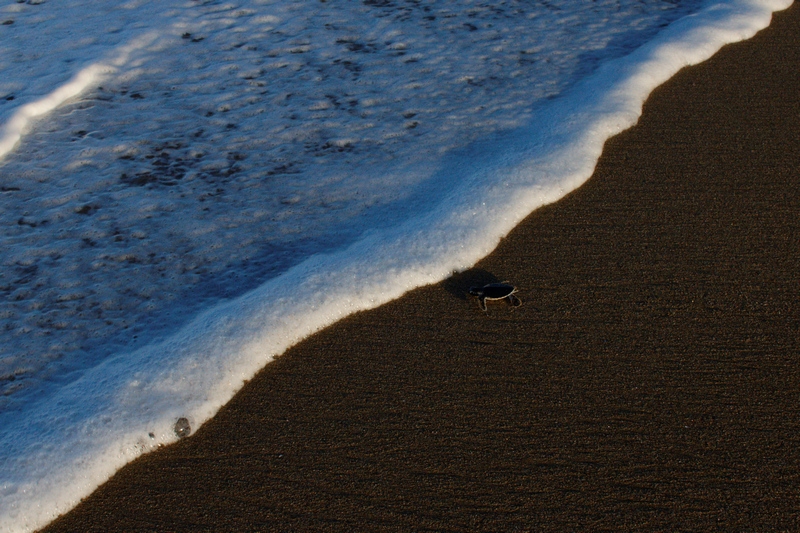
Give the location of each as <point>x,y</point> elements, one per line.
<point>476,291</point>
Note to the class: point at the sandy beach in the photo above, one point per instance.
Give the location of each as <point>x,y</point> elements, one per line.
<point>649,382</point>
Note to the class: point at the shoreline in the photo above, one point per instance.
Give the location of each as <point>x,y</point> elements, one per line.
<point>649,380</point>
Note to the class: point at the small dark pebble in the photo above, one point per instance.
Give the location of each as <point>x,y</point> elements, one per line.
<point>182,428</point>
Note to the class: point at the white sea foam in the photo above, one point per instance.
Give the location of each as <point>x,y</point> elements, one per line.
<point>22,118</point>
<point>72,437</point>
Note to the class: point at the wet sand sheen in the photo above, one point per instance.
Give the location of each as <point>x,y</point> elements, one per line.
<point>649,381</point>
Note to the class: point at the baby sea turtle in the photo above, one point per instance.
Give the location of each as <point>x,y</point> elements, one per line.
<point>496,291</point>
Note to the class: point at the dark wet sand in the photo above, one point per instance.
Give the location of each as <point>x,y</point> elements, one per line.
<point>650,381</point>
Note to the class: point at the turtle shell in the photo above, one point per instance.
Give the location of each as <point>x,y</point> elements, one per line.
<point>496,291</point>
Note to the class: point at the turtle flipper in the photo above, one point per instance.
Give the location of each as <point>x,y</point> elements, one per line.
<point>482,303</point>
<point>514,301</point>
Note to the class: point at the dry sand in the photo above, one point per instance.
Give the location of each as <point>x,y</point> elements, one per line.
<point>649,382</point>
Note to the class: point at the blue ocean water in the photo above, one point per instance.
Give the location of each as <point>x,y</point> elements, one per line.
<point>187,188</point>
